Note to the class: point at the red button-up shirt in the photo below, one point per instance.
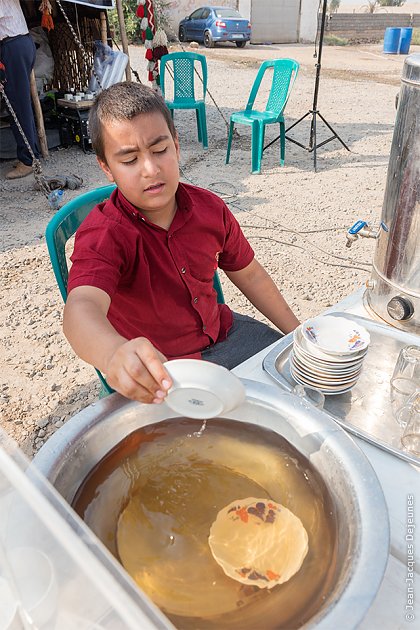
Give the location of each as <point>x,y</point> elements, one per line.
<point>161,281</point>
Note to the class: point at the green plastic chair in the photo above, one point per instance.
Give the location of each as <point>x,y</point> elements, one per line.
<point>63,225</point>
<point>284,76</point>
<point>182,68</point>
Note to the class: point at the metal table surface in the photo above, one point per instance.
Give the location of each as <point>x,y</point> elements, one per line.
<point>394,607</point>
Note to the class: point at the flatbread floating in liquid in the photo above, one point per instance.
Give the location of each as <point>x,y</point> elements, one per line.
<point>258,542</point>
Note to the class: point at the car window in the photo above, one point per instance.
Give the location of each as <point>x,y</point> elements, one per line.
<point>227,13</point>
<point>206,14</point>
<point>196,15</point>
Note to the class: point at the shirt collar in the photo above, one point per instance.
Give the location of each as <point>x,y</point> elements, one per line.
<point>184,208</point>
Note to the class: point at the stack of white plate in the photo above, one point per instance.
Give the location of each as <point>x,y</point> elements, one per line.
<point>328,353</point>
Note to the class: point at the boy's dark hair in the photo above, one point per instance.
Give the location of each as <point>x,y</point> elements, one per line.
<point>124,101</point>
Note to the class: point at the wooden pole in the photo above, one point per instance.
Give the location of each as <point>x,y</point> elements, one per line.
<point>124,40</point>
<point>39,119</point>
<point>104,29</point>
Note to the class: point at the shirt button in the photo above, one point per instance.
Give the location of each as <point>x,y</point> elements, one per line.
<point>183,270</point>
<point>204,328</point>
<point>195,300</point>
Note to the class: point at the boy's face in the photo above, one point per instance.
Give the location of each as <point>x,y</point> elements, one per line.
<point>143,160</point>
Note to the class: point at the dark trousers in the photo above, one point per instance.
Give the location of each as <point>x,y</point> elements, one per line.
<point>246,337</point>
<point>18,56</point>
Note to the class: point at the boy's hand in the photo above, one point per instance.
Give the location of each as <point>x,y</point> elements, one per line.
<point>135,370</point>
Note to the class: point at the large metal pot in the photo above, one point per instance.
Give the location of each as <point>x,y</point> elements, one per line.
<point>363,538</point>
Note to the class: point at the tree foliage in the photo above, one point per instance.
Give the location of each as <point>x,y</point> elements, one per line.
<point>333,6</point>
<point>391,3</point>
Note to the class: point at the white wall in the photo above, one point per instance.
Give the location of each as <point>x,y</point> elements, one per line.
<point>244,8</point>
<point>274,21</point>
<point>308,20</point>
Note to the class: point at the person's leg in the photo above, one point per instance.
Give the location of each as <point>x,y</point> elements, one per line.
<point>246,337</point>
<point>18,56</point>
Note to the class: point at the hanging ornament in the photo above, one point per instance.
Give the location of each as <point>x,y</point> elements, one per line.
<point>160,44</point>
<point>151,15</point>
<point>155,41</point>
<point>46,10</point>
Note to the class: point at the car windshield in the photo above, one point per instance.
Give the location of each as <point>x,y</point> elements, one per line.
<point>227,13</point>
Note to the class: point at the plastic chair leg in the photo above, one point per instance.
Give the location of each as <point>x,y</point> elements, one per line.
<point>255,143</point>
<point>231,127</point>
<point>203,120</point>
<point>282,143</point>
<point>199,130</point>
<point>261,134</point>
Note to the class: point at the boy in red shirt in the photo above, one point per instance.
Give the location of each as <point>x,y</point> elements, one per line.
<point>140,288</point>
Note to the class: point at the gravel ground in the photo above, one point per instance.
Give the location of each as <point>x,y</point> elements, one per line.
<point>294,217</point>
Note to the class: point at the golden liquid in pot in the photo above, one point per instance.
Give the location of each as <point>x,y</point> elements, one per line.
<point>154,497</point>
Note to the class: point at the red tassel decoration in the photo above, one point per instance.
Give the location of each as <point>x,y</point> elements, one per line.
<point>159,51</point>
<point>150,76</point>
<point>140,11</point>
<point>149,54</point>
<point>46,10</point>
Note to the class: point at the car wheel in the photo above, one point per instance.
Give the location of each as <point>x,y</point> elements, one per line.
<point>208,40</point>
<point>240,44</point>
<point>181,34</point>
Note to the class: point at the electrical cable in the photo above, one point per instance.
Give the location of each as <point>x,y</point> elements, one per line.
<point>269,238</point>
<point>282,228</point>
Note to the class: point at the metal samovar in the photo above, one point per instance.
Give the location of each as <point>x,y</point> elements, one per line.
<point>394,288</point>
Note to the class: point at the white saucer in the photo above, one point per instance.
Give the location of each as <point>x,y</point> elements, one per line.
<point>335,335</point>
<point>201,389</point>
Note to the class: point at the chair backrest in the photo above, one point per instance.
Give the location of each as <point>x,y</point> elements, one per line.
<point>183,72</point>
<point>64,224</point>
<point>62,227</point>
<point>284,75</point>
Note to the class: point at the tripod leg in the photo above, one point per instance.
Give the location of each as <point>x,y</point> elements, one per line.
<point>314,138</point>
<point>231,127</point>
<point>333,131</point>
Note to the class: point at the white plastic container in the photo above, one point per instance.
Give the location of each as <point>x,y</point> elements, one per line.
<point>54,573</point>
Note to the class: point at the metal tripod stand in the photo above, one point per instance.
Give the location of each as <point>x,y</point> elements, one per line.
<point>314,112</point>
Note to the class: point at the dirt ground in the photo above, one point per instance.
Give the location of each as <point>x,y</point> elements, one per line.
<point>295,218</point>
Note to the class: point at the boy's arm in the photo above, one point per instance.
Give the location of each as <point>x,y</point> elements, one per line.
<point>133,368</point>
<point>261,291</point>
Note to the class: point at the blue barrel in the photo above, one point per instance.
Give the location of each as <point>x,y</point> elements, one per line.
<point>405,40</point>
<point>392,40</point>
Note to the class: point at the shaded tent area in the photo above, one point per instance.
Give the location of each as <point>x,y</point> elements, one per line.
<point>62,65</point>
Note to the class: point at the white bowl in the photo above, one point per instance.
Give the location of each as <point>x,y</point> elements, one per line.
<point>336,335</point>
<point>202,389</point>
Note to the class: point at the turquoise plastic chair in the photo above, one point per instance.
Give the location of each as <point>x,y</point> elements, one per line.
<point>62,227</point>
<point>284,76</point>
<point>182,68</point>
